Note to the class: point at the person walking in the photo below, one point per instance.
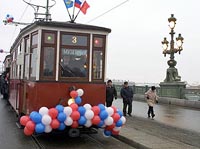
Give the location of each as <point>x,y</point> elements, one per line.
<point>110,93</point>
<point>127,95</point>
<point>152,98</point>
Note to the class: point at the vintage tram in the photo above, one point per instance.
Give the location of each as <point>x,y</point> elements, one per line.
<point>50,58</point>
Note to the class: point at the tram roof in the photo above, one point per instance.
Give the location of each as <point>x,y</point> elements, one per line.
<point>68,25</point>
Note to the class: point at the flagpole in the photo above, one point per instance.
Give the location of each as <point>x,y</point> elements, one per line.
<point>73,12</point>
<point>69,15</point>
<point>78,11</point>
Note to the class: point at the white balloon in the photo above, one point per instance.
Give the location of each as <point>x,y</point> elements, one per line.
<point>117,128</point>
<point>108,121</point>
<point>68,121</point>
<point>110,111</point>
<point>80,92</point>
<point>68,110</point>
<point>43,110</point>
<point>46,119</point>
<point>89,114</point>
<point>47,129</point>
<point>123,119</point>
<point>88,123</point>
<point>87,106</point>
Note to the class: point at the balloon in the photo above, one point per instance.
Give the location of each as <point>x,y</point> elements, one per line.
<point>73,94</point>
<point>70,101</point>
<point>96,120</point>
<point>87,106</point>
<point>36,117</point>
<point>114,108</point>
<point>115,132</point>
<point>68,121</point>
<point>62,126</point>
<point>74,106</point>
<point>108,121</point>
<point>103,114</point>
<point>88,123</point>
<point>75,115</point>
<point>123,119</point>
<point>32,114</point>
<point>68,111</point>
<point>28,132</point>
<point>46,119</point>
<point>82,120</point>
<point>101,124</point>
<point>110,127</point>
<point>55,124</point>
<point>60,108</point>
<point>117,128</point>
<point>119,123</point>
<point>89,114</point>
<point>30,125</point>
<point>24,119</point>
<point>81,110</point>
<point>61,117</point>
<point>96,110</point>
<point>74,124</point>
<point>101,106</point>
<point>107,133</point>
<point>116,117</point>
<point>120,113</point>
<point>53,112</point>
<point>80,92</point>
<point>43,110</point>
<point>47,129</point>
<point>39,128</point>
<point>110,111</point>
<point>78,100</point>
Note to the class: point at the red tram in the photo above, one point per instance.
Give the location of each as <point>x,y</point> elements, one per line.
<point>49,58</point>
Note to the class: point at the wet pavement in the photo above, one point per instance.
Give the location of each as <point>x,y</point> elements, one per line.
<point>171,115</point>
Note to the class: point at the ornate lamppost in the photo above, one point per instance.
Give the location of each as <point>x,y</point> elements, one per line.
<point>172,72</point>
<point>172,85</point>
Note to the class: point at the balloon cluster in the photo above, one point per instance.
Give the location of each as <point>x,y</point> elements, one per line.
<point>74,115</point>
<point>9,18</point>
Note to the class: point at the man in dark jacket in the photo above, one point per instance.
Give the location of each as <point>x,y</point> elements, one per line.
<point>127,95</point>
<point>110,93</point>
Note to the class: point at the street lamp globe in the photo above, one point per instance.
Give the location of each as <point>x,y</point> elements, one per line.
<point>172,21</point>
<point>165,44</point>
<point>179,41</point>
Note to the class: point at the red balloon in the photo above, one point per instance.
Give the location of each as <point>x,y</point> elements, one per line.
<point>27,131</point>
<point>55,124</point>
<point>24,119</point>
<point>74,106</point>
<point>75,115</point>
<point>96,120</point>
<point>116,117</point>
<point>30,125</point>
<point>110,128</point>
<point>73,94</point>
<point>115,132</point>
<point>53,112</point>
<point>74,124</point>
<point>96,110</point>
<point>114,108</point>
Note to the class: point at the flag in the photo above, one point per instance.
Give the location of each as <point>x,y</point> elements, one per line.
<point>68,3</point>
<point>84,7</point>
<point>78,3</point>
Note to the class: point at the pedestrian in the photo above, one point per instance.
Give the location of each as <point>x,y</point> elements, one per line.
<point>127,95</point>
<point>110,93</point>
<point>152,98</point>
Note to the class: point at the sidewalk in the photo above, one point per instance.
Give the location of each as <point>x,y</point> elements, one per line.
<point>146,133</point>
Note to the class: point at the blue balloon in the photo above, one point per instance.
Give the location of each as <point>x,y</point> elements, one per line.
<point>101,106</point>
<point>82,120</point>
<point>78,100</point>
<point>60,108</point>
<point>103,114</point>
<point>101,123</point>
<point>61,117</point>
<point>39,128</point>
<point>62,126</point>
<point>7,16</point>
<point>107,133</point>
<point>119,123</point>
<point>81,110</point>
<point>120,113</point>
<point>36,117</point>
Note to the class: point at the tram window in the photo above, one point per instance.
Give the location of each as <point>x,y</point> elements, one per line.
<point>97,65</point>
<point>34,39</point>
<point>74,40</point>
<point>48,61</point>
<point>49,38</point>
<point>33,63</point>
<point>73,63</point>
<point>98,42</point>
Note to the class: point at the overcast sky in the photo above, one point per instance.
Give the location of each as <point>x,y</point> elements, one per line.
<point>134,45</point>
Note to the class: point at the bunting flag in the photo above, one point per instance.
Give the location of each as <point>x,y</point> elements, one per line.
<point>84,7</point>
<point>78,3</point>
<point>68,3</point>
